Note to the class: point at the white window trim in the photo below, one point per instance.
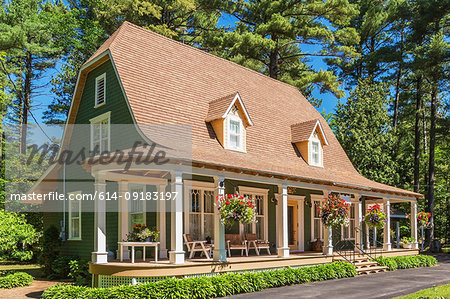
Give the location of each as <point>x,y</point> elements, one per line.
<point>96,120</point>
<point>202,187</point>
<point>102,76</point>
<point>319,198</point>
<point>265,194</point>
<point>71,238</point>
<point>241,147</point>
<point>144,206</point>
<point>310,147</point>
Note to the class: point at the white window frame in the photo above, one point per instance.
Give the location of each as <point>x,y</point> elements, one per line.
<point>315,139</point>
<point>143,204</point>
<point>201,187</point>
<point>237,119</point>
<point>251,191</point>
<point>316,198</point>
<point>97,120</point>
<point>71,237</point>
<point>348,235</point>
<point>102,76</point>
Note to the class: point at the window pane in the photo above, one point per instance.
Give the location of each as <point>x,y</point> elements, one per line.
<point>209,225</point>
<point>194,226</point>
<point>137,218</point>
<point>195,200</point>
<point>235,127</point>
<point>74,208</point>
<point>208,197</point>
<point>75,227</point>
<point>260,228</point>
<point>316,228</point>
<point>352,228</point>
<point>234,141</point>
<point>316,209</point>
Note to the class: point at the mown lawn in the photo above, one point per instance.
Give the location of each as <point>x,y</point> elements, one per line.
<point>434,292</point>
<point>32,269</point>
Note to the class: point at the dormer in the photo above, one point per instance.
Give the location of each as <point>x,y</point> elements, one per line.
<point>230,120</point>
<point>309,138</point>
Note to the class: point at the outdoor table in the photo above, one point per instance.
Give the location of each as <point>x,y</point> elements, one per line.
<point>138,244</point>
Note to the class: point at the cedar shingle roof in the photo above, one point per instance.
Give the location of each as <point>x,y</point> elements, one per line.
<point>180,81</point>
<point>218,107</point>
<point>302,131</point>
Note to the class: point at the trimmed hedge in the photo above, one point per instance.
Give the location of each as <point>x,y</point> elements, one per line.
<point>14,280</point>
<point>209,286</point>
<point>406,262</point>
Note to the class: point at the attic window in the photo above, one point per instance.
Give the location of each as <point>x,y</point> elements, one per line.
<point>235,133</point>
<point>316,157</point>
<point>100,87</point>
<point>309,138</point>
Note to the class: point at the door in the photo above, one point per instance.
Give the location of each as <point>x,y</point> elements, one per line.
<point>293,224</point>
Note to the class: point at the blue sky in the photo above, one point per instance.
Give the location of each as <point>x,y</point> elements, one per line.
<point>42,99</point>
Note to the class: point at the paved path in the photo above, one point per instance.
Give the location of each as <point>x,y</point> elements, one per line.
<point>380,285</point>
<point>34,290</point>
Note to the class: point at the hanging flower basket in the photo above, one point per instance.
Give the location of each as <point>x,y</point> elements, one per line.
<point>335,211</point>
<point>235,208</point>
<point>375,218</point>
<point>423,218</point>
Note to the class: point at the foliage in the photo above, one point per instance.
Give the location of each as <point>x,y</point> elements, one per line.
<point>334,211</point>
<point>51,244</point>
<point>408,240</point>
<point>79,272</point>
<point>209,287</point>
<point>140,233</point>
<point>235,208</point>
<point>16,237</point>
<point>362,126</point>
<point>14,280</point>
<point>406,262</point>
<point>374,217</point>
<point>60,267</point>
<point>423,218</point>
<point>436,292</point>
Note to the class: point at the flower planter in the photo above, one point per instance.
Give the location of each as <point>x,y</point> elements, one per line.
<point>407,245</point>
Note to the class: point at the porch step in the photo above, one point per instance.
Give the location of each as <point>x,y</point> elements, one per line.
<point>372,269</point>
<point>365,264</point>
<point>356,259</point>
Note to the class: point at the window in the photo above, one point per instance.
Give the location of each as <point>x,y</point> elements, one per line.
<point>100,89</point>
<point>100,132</point>
<point>317,229</point>
<point>200,217</point>
<point>315,147</point>
<point>235,133</point>
<point>349,232</point>
<point>259,198</point>
<point>75,217</point>
<point>137,207</point>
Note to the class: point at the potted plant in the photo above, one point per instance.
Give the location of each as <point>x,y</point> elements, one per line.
<point>407,242</point>
<point>235,208</point>
<point>334,211</point>
<point>375,217</point>
<point>141,233</point>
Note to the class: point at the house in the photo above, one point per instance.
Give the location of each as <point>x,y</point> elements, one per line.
<point>244,132</point>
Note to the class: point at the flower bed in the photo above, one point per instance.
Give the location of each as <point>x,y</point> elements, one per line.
<point>209,286</point>
<point>374,217</point>
<point>335,211</point>
<point>16,279</point>
<point>406,262</point>
<point>235,208</point>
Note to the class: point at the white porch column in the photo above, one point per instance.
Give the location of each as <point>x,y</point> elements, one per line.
<point>283,250</point>
<point>358,218</point>
<point>123,217</point>
<point>327,234</point>
<point>176,255</point>
<point>220,253</point>
<point>414,224</point>
<point>161,222</point>
<point>99,255</point>
<point>387,246</point>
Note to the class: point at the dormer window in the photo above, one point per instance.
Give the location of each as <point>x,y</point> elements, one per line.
<point>230,120</point>
<point>235,133</point>
<point>309,138</point>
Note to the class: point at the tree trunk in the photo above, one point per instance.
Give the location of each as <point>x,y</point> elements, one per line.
<point>273,61</point>
<point>417,135</point>
<point>397,84</point>
<point>431,162</point>
<point>26,104</point>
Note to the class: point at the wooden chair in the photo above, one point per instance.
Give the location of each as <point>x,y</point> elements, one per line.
<point>197,246</point>
<point>254,243</point>
<point>235,242</point>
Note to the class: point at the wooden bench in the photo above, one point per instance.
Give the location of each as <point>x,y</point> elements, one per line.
<point>254,243</point>
<point>235,242</point>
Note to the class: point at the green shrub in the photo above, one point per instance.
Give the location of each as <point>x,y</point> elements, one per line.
<point>209,287</point>
<point>51,244</point>
<point>79,272</point>
<point>406,262</point>
<point>60,267</point>
<point>14,280</point>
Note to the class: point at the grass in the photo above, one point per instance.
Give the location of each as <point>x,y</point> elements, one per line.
<point>446,250</point>
<point>434,292</point>
<point>32,269</point>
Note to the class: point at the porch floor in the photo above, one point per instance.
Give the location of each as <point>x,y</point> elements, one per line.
<point>198,266</point>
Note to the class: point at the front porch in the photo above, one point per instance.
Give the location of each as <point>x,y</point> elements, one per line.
<point>124,272</point>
